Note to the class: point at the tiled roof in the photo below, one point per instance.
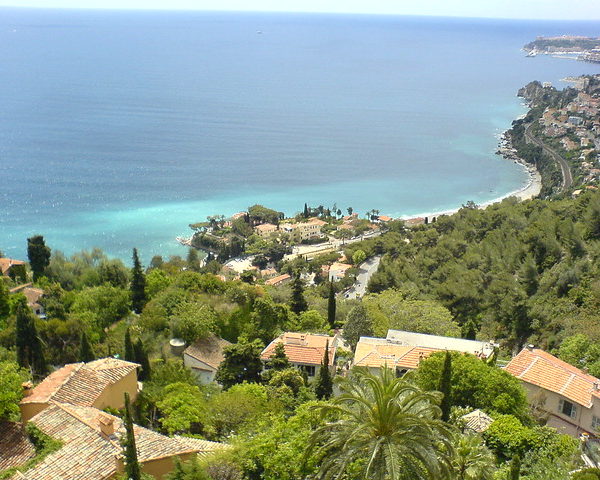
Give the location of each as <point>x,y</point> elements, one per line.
<point>208,350</point>
<point>203,447</point>
<point>438,342</point>
<point>15,447</point>
<point>477,421</point>
<point>379,352</point>
<point>278,280</point>
<point>539,368</point>
<point>80,383</point>
<point>6,263</point>
<point>303,348</point>
<point>87,453</point>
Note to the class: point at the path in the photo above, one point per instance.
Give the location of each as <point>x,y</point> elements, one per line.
<point>366,271</point>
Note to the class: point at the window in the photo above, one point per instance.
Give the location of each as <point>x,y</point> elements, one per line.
<point>309,369</point>
<point>595,422</point>
<point>400,372</point>
<point>567,408</point>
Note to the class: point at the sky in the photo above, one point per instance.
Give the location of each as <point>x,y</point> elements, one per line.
<point>527,9</point>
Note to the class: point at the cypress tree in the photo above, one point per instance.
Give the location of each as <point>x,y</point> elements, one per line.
<point>86,352</point>
<point>141,357</point>
<point>193,260</point>
<point>446,387</point>
<point>515,468</point>
<point>306,212</point>
<point>38,254</point>
<point>132,466</point>
<point>138,284</point>
<point>331,306</point>
<point>4,305</point>
<point>298,302</point>
<point>129,351</point>
<point>30,353</point>
<point>324,384</point>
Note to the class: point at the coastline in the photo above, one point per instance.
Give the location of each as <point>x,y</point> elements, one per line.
<point>531,190</point>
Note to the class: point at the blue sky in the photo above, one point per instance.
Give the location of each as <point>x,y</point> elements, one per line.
<point>542,9</point>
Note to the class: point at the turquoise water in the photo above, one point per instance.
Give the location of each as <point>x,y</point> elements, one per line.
<point>118,129</point>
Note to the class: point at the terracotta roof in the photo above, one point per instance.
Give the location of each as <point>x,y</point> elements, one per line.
<point>379,352</point>
<point>317,221</point>
<point>15,447</point>
<point>89,454</point>
<point>539,368</point>
<point>6,263</point>
<point>203,447</point>
<point>208,350</point>
<point>80,383</point>
<point>266,227</point>
<point>33,295</point>
<point>303,348</point>
<point>277,280</point>
<point>384,218</point>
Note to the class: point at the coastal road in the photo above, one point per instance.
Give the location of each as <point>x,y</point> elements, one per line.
<point>366,271</point>
<point>564,166</point>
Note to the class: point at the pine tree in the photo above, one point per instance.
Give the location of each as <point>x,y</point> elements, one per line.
<point>193,261</point>
<point>324,383</point>
<point>129,351</point>
<point>86,352</point>
<point>141,357</point>
<point>298,302</point>
<point>331,306</point>
<point>358,324</point>
<point>279,360</point>
<point>30,353</point>
<point>138,284</point>
<point>132,466</point>
<point>38,254</point>
<point>446,387</point>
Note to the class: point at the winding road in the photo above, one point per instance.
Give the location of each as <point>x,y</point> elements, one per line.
<point>366,270</point>
<point>564,166</point>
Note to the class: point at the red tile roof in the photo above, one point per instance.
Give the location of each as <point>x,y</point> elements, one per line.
<point>550,373</point>
<point>6,263</point>
<point>80,383</point>
<point>379,354</point>
<point>277,280</point>
<point>15,446</point>
<point>302,348</point>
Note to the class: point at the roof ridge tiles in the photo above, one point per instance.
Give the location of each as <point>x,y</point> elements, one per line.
<point>65,380</point>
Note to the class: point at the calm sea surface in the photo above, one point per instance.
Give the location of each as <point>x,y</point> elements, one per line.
<point>118,129</point>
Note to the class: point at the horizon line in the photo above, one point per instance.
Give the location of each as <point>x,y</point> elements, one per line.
<point>301,12</point>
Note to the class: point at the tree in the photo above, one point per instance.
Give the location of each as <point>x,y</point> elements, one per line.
<point>38,254</point>
<point>298,302</point>
<point>305,213</point>
<point>472,460</point>
<point>141,357</point>
<point>382,427</point>
<point>475,384</point>
<point>515,468</point>
<point>279,360</point>
<point>446,387</point>
<point>4,304</point>
<point>358,324</point>
<point>241,363</point>
<point>193,320</point>
<point>138,284</point>
<point>129,354</point>
<point>189,470</point>
<point>132,466</point>
<point>30,353</point>
<point>324,383</point>
<point>331,306</point>
<point>193,260</point>
<point>11,390</point>
<point>358,257</point>
<point>86,352</point>
<point>183,407</point>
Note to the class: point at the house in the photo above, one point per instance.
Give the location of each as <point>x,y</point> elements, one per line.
<point>15,446</point>
<point>98,384</point>
<point>569,396</point>
<point>304,350</point>
<point>403,351</point>
<point>279,280</point>
<point>476,421</point>
<point>91,446</point>
<point>265,229</point>
<point>413,222</point>
<point>33,296</point>
<point>384,218</point>
<point>204,356</point>
<point>305,230</point>
<point>337,271</point>
<point>12,268</point>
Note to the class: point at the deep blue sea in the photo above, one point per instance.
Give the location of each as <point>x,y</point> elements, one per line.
<point>118,129</point>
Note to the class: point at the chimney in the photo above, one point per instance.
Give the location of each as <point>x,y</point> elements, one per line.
<point>596,386</point>
<point>119,463</point>
<point>27,388</point>
<point>530,347</point>
<point>107,425</point>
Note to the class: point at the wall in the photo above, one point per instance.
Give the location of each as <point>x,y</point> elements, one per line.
<point>161,467</point>
<point>113,396</point>
<point>202,372</point>
<point>30,410</point>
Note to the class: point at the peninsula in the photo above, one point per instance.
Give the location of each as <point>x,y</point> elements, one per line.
<point>567,46</point>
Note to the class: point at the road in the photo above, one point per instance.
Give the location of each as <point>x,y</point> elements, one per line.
<point>366,271</point>
<point>564,166</point>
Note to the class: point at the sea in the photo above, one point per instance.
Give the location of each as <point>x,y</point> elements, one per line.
<point>120,128</point>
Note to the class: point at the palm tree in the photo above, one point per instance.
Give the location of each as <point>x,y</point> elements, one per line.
<point>472,460</point>
<point>385,426</point>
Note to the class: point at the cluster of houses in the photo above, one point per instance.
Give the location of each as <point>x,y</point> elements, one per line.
<point>569,396</point>
<point>15,270</point>
<point>68,406</point>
